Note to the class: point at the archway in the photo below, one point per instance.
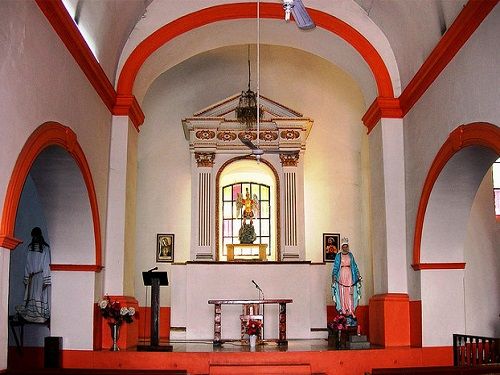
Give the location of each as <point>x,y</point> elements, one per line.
<point>442,235</point>
<point>51,187</point>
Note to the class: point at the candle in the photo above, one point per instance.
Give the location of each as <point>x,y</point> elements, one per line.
<point>359,329</point>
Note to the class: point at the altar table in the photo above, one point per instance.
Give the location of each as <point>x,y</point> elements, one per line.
<point>218,318</point>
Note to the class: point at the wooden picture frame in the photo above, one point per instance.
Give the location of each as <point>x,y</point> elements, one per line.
<point>164,247</point>
<point>331,246</point>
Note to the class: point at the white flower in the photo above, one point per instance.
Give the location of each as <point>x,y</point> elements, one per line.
<point>103,303</point>
<point>123,311</point>
<point>131,311</point>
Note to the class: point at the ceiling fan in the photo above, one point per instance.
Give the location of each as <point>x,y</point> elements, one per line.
<point>304,22</point>
<point>299,12</point>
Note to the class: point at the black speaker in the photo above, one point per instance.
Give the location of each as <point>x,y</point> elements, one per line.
<point>52,352</point>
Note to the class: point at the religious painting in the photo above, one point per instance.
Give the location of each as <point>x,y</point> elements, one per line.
<point>165,248</point>
<point>331,242</point>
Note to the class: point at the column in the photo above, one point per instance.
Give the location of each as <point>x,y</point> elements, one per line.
<point>292,209</point>
<point>389,236</point>
<point>203,207</point>
<point>114,256</point>
<point>4,303</point>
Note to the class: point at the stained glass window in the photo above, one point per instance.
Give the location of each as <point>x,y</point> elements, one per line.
<point>232,219</point>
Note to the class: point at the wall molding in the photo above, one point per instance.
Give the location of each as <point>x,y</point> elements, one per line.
<point>466,23</point>
<point>9,242</point>
<point>48,134</point>
<point>70,35</point>
<point>438,266</point>
<point>474,134</point>
<point>76,267</point>
<point>224,12</point>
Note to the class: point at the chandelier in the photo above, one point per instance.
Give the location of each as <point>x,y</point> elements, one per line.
<point>246,111</point>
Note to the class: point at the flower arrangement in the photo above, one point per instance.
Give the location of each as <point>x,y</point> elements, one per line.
<point>114,312</point>
<point>254,327</point>
<point>339,323</point>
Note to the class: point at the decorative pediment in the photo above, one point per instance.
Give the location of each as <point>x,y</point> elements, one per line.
<point>216,129</point>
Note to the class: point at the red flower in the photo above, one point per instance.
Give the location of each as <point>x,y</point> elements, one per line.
<point>338,323</point>
<point>253,327</point>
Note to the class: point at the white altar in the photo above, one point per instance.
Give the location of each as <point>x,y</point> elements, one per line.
<point>194,283</point>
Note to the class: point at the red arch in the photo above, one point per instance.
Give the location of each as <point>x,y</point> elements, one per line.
<point>474,134</point>
<point>248,10</point>
<point>48,134</point>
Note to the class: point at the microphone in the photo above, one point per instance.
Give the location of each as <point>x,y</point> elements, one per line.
<point>257,286</point>
<point>153,269</point>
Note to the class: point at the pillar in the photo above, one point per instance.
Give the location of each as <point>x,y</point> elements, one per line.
<point>292,208</point>
<point>203,203</point>
<point>391,302</point>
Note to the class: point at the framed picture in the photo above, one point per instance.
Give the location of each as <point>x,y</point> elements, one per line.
<point>165,248</point>
<point>331,243</point>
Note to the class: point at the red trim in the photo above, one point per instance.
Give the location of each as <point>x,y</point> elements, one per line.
<point>475,134</point>
<point>127,105</point>
<point>381,107</point>
<point>9,242</point>
<point>416,324</point>
<point>76,267</point>
<point>48,134</point>
<point>65,27</point>
<point>438,266</point>
<point>208,362</point>
<point>468,20</point>
<point>248,10</point>
<point>389,316</point>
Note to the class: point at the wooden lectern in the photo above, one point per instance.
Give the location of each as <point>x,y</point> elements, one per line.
<point>155,280</point>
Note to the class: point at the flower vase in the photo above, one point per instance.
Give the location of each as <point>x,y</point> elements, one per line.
<point>252,340</point>
<point>115,335</point>
<point>339,339</point>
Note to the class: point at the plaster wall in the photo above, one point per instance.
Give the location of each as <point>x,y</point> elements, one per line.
<point>4,303</point>
<point>333,184</point>
<point>377,193</point>
<point>482,257</point>
<point>64,199</point>
<point>52,88</point>
<point>74,289</point>
<point>443,309</point>
<point>465,92</point>
<point>199,283</point>
<point>348,11</point>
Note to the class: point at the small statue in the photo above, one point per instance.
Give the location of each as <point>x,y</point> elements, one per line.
<point>250,208</point>
<point>346,282</point>
<point>37,280</point>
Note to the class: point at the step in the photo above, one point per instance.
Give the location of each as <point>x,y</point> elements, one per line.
<point>358,345</point>
<point>356,338</point>
<point>290,369</point>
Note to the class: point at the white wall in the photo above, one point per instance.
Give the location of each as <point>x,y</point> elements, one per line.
<point>465,92</point>
<point>194,284</point>
<point>41,82</point>
<point>332,163</point>
<point>482,257</point>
